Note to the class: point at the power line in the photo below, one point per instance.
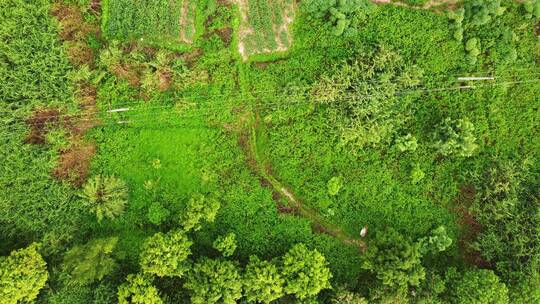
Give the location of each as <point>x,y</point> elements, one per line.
<point>82,114</point>
<point>299,101</point>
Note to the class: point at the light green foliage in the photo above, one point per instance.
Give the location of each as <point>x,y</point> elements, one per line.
<point>22,275</point>
<point>456,137</point>
<point>166,254</point>
<point>334,185</point>
<point>305,271</point>
<point>480,12</point>
<point>157,214</point>
<point>199,208</point>
<point>480,286</point>
<point>226,244</point>
<point>527,290</point>
<point>532,7</point>
<point>437,242</point>
<point>341,14</point>
<point>417,174</point>
<point>395,260</point>
<point>262,281</point>
<point>373,120</point>
<point>90,262</point>
<point>407,143</point>
<point>138,289</point>
<point>106,196</point>
<point>214,281</point>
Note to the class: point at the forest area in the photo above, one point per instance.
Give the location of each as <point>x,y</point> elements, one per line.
<point>269,151</point>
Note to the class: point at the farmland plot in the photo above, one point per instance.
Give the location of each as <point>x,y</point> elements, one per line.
<point>265,26</point>
<point>161,21</point>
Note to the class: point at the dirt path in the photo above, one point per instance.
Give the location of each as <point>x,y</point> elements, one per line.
<point>428,5</point>
<point>184,21</point>
<point>253,145</point>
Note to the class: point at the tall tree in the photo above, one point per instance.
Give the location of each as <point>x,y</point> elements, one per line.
<point>166,254</point>
<point>90,262</point>
<point>198,208</point>
<point>22,274</point>
<point>305,271</point>
<point>214,281</point>
<point>262,281</point>
<point>395,261</point>
<point>138,289</point>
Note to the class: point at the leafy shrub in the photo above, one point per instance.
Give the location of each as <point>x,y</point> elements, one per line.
<point>90,262</point>
<point>305,272</point>
<point>262,281</point>
<point>199,208</point>
<point>105,196</point>
<point>226,244</point>
<point>138,289</point>
<point>157,214</point>
<point>334,185</point>
<point>407,143</point>
<point>480,286</point>
<point>166,254</point>
<point>456,137</point>
<point>214,281</point>
<point>438,241</point>
<point>22,275</point>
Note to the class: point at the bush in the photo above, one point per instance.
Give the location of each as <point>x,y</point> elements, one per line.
<point>166,254</point>
<point>262,281</point>
<point>22,275</point>
<point>305,272</point>
<point>214,281</point>
<point>480,287</point>
<point>138,289</point>
<point>90,262</point>
<point>226,244</point>
<point>456,137</point>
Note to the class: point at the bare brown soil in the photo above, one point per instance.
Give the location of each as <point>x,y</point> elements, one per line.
<point>80,54</point>
<point>40,122</point>
<point>127,72</point>
<point>164,80</point>
<point>470,228</point>
<point>74,163</point>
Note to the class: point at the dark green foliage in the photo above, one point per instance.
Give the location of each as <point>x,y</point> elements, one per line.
<point>262,281</point>
<point>90,262</point>
<point>395,261</point>
<point>33,73</point>
<point>508,210</point>
<point>214,281</point>
<point>138,289</point>
<point>106,196</point>
<point>22,274</point>
<point>479,287</point>
<point>166,254</point>
<point>305,272</point>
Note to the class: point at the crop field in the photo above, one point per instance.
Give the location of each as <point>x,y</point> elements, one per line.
<point>390,155</point>
<point>161,21</point>
<point>265,26</point>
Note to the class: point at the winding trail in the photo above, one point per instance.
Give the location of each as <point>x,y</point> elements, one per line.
<point>253,143</point>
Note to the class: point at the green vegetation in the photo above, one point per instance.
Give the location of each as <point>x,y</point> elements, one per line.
<point>205,151</point>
